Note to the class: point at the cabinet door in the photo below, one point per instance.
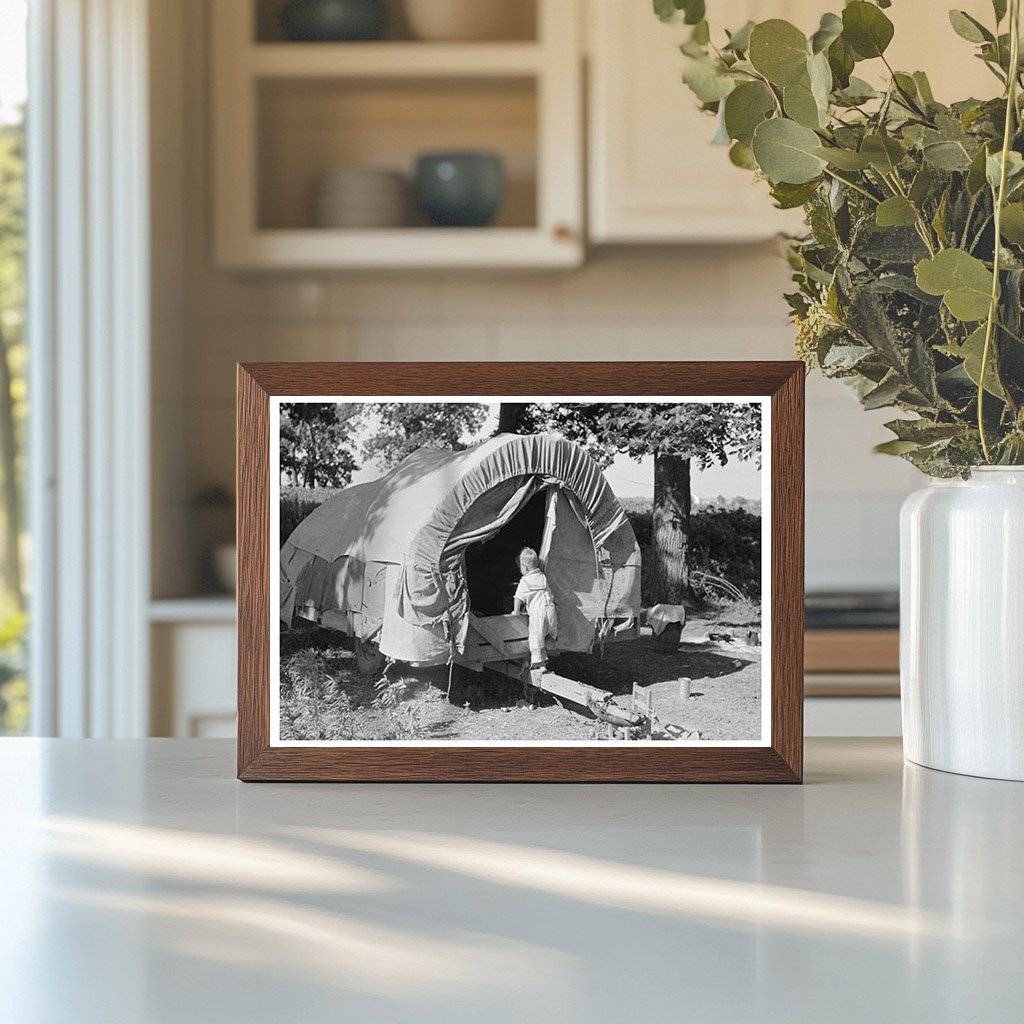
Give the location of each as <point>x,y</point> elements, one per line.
<point>653,174</point>
<point>654,177</point>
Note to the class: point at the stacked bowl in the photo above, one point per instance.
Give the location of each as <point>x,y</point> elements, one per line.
<point>362,197</point>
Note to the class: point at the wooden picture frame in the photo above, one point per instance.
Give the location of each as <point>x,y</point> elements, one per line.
<point>779,759</point>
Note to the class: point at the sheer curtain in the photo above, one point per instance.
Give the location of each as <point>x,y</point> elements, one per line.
<point>88,295</point>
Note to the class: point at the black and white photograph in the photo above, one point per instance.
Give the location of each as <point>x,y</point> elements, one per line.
<point>534,570</point>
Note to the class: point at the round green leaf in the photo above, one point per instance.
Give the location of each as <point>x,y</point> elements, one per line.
<point>924,87</point>
<point>840,62</point>
<point>787,152</point>
<point>976,173</point>
<point>779,51</point>
<point>741,155</point>
<point>788,197</point>
<point>829,30</point>
<point>963,281</point>
<point>947,156</point>
<point>707,79</point>
<point>883,152</point>
<point>745,108</point>
<point>819,75</point>
<point>993,166</point>
<point>857,91</point>
<point>895,212</point>
<point>740,39</point>
<point>972,351</point>
<point>968,28</point>
<point>690,12</point>
<point>1012,224</point>
<point>844,159</point>
<point>801,106</point>
<point>896,447</point>
<point>866,29</point>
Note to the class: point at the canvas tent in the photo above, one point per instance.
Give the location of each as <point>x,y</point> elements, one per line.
<point>386,560</point>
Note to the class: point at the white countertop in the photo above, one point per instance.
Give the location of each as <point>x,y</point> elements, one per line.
<point>140,882</point>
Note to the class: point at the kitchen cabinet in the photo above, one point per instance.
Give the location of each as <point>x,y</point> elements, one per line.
<point>287,114</point>
<point>653,175</point>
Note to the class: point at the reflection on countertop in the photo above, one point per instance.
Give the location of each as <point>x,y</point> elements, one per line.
<point>142,882</point>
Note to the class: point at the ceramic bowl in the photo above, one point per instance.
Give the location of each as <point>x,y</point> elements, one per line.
<point>460,189</point>
<point>332,21</point>
<point>470,20</point>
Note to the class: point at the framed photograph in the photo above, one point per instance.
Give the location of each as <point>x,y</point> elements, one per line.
<point>520,571</point>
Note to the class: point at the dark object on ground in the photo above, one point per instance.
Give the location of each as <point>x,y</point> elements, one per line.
<point>331,21</point>
<point>611,713</point>
<point>668,638</point>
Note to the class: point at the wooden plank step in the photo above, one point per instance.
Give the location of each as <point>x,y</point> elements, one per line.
<point>497,637</point>
<point>567,689</point>
<point>507,627</point>
<point>480,650</point>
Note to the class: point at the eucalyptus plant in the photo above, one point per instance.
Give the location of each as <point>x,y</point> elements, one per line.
<point>910,278</point>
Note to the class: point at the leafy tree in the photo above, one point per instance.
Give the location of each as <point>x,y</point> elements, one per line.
<point>403,427</point>
<point>316,443</point>
<point>13,407</point>
<point>678,436</point>
<point>12,348</point>
<point>514,418</point>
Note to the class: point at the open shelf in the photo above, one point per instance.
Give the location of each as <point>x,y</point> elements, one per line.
<point>309,127</point>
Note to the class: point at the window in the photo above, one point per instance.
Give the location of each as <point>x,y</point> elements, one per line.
<point>14,692</point>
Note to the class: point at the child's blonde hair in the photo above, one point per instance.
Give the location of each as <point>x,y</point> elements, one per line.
<point>528,560</point>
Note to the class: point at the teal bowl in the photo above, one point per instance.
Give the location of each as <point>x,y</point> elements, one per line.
<point>334,21</point>
<point>460,189</point>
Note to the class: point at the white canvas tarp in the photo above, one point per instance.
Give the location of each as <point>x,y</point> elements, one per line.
<point>390,553</point>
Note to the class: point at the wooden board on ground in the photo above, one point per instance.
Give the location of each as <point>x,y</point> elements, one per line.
<point>567,689</point>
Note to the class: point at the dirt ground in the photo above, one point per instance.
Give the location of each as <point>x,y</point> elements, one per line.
<point>324,697</point>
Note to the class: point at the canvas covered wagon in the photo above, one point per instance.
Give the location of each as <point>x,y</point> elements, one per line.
<point>421,563</point>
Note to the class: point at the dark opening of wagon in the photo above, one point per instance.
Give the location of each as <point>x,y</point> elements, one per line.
<point>492,565</point>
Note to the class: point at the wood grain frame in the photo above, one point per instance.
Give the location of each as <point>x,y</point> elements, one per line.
<point>781,761</point>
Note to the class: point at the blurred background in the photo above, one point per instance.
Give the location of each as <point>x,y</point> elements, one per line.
<point>360,179</point>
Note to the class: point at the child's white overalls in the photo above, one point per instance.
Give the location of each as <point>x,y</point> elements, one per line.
<point>540,606</point>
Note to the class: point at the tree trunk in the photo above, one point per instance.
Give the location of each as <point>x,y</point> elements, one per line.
<point>11,491</point>
<point>510,417</point>
<point>670,534</point>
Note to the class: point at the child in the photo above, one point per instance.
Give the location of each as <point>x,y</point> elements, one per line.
<point>533,595</point>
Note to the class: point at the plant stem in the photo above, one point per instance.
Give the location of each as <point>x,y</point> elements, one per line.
<point>907,99</point>
<point>1011,108</point>
<point>853,185</point>
<point>775,98</point>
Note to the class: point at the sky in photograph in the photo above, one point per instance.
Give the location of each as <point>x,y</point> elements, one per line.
<point>631,477</point>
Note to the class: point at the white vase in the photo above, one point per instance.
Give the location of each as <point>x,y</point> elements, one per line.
<point>962,624</point>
